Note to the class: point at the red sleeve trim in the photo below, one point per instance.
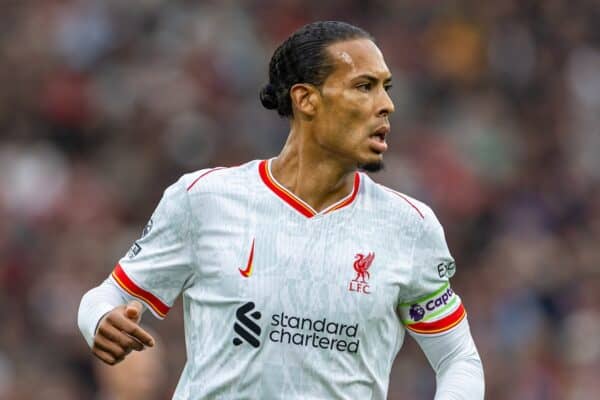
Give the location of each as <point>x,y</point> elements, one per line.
<point>443,325</point>
<point>119,275</point>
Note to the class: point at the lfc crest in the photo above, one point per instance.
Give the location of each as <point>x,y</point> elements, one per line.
<point>361,265</point>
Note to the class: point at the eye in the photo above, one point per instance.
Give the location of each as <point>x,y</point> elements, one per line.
<point>364,87</point>
<point>387,87</point>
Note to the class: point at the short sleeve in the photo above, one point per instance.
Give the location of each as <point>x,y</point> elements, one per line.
<point>159,264</point>
<point>431,306</point>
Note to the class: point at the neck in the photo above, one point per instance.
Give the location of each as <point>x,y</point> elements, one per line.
<point>310,173</point>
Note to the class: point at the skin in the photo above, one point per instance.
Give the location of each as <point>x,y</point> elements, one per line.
<point>119,333</point>
<point>331,135</point>
<point>332,126</point>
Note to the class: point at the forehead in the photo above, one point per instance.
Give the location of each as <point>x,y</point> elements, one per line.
<point>353,58</point>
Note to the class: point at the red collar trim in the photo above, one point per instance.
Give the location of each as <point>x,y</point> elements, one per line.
<point>264,169</point>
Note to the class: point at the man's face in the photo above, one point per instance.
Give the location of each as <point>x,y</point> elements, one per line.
<point>354,117</point>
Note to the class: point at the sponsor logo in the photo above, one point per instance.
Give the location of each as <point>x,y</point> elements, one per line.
<point>439,301</point>
<point>134,250</point>
<point>245,327</point>
<point>147,228</point>
<point>446,269</point>
<point>417,311</point>
<point>250,265</point>
<point>361,265</point>
<point>296,331</point>
<point>317,333</point>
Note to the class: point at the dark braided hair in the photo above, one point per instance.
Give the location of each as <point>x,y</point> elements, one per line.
<point>302,58</point>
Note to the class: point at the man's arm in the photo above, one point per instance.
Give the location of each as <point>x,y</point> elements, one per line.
<point>110,325</point>
<point>455,360</point>
<point>152,274</point>
<point>434,315</point>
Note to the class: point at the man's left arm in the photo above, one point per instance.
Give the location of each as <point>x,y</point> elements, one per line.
<point>436,318</point>
<point>455,360</point>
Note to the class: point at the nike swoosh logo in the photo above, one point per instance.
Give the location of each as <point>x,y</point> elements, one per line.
<point>248,271</point>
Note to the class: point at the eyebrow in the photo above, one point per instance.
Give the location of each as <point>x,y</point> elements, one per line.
<point>372,78</point>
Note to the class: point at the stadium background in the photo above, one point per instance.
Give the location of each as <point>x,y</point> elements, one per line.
<point>105,103</point>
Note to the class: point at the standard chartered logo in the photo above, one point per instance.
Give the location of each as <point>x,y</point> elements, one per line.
<point>293,330</point>
<point>245,327</point>
<point>316,333</point>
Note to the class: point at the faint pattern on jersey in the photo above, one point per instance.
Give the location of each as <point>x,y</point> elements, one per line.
<point>361,266</point>
<point>301,267</point>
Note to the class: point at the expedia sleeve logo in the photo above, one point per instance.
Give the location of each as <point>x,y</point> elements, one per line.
<point>435,313</point>
<point>446,270</point>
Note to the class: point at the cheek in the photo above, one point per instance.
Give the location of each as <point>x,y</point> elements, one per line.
<point>355,122</point>
<point>352,111</point>
<point>345,117</point>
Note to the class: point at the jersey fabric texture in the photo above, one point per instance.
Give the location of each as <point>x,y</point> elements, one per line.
<point>281,301</point>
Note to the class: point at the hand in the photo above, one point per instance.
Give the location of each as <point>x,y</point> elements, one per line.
<point>119,333</point>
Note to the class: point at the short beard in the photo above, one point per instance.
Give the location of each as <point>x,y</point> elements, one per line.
<point>372,167</point>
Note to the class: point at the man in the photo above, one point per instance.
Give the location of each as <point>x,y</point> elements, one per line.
<point>299,274</point>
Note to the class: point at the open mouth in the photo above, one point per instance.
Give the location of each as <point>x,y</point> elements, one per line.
<point>381,132</point>
<point>379,136</point>
<point>377,139</point>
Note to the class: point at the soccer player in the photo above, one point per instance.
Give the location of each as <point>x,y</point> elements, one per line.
<point>299,274</point>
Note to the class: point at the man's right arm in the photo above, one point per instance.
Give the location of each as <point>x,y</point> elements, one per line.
<point>153,273</point>
<point>110,324</point>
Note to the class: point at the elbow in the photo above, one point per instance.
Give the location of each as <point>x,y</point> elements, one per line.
<point>462,379</point>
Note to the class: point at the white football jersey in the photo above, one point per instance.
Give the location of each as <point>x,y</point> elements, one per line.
<point>282,302</point>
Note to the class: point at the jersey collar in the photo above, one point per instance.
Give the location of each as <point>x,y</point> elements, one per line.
<point>264,169</point>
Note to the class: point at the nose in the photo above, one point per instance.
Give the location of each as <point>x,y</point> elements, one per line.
<point>386,105</point>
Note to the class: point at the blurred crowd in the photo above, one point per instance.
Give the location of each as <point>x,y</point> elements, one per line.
<point>497,126</point>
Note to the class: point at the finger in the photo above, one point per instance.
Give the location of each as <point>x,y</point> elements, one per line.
<point>104,356</point>
<point>115,335</point>
<point>140,334</point>
<point>122,323</point>
<point>134,310</point>
<point>114,349</point>
<point>132,329</point>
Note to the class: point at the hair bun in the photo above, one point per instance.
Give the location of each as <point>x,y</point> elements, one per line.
<point>268,97</point>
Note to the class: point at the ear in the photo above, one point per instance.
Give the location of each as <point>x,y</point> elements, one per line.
<point>305,98</point>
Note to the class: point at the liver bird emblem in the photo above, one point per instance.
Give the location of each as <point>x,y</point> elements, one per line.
<point>361,266</point>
